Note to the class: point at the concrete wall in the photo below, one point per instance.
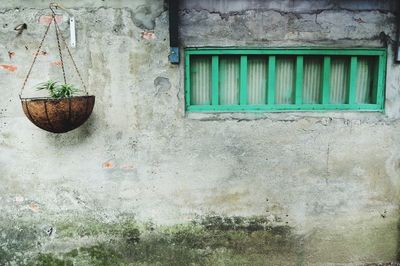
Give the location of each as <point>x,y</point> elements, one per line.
<point>143,182</point>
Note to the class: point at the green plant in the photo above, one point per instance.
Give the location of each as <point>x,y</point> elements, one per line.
<point>57,91</point>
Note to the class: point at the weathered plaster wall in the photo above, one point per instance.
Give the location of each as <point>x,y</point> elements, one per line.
<point>247,189</point>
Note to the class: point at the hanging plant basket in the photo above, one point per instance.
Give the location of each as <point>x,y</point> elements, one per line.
<point>58,115</point>
<point>62,112</point>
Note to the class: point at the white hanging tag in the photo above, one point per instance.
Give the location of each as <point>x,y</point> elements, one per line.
<point>72,32</point>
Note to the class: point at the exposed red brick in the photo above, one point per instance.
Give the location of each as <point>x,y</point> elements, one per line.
<point>56,63</point>
<point>45,20</point>
<point>148,35</point>
<point>108,165</point>
<point>10,68</point>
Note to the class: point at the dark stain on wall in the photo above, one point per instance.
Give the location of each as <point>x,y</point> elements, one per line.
<point>208,240</point>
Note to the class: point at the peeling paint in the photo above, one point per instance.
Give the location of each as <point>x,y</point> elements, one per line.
<point>45,20</point>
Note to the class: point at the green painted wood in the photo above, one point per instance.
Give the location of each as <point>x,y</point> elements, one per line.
<point>287,51</point>
<point>374,93</point>
<point>353,80</point>
<point>215,80</point>
<point>271,80</point>
<point>283,107</point>
<point>326,80</point>
<point>299,80</point>
<point>221,80</point>
<point>187,81</point>
<point>243,80</point>
<point>380,95</point>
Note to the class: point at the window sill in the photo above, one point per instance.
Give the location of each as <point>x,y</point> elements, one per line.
<point>290,116</point>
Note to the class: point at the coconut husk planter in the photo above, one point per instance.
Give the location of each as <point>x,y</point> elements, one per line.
<point>62,112</point>
<point>58,115</point>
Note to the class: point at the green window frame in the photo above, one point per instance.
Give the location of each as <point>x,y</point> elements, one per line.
<point>215,84</point>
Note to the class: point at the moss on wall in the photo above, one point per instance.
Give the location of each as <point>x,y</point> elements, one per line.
<point>209,240</point>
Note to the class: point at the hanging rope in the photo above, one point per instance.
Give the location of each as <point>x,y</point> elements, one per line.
<point>58,36</point>
<point>59,48</point>
<point>34,59</point>
<point>70,55</point>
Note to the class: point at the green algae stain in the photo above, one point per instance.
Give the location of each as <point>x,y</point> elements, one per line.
<point>102,254</point>
<point>209,240</point>
<point>49,260</point>
<point>94,227</point>
<point>212,240</point>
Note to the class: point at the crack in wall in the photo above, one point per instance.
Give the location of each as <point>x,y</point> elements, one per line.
<point>137,22</point>
<point>225,15</point>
